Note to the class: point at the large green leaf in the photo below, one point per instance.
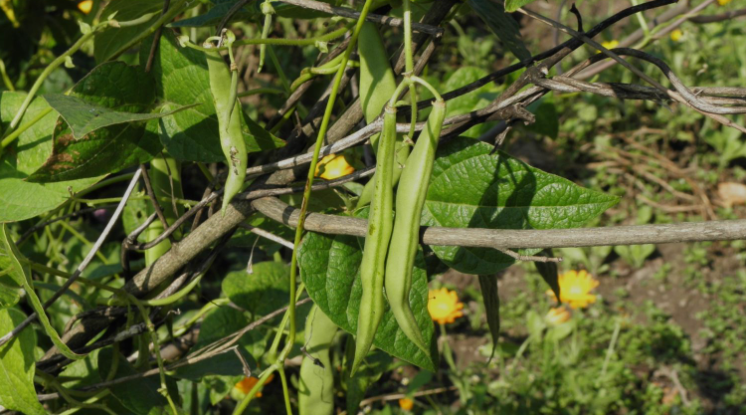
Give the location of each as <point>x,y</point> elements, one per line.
<point>107,43</point>
<point>122,89</point>
<point>17,391</point>
<point>502,24</point>
<point>84,117</point>
<point>474,187</point>
<point>181,78</point>
<point>330,268</point>
<point>21,199</point>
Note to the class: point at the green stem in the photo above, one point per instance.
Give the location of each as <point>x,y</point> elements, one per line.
<point>6,79</point>
<point>285,392</point>
<point>447,352</point>
<point>280,71</point>
<point>17,132</point>
<point>409,65</point>
<point>84,240</point>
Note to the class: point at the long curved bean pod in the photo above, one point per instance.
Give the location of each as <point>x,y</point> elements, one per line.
<point>410,199</point>
<point>380,225</point>
<point>229,122</point>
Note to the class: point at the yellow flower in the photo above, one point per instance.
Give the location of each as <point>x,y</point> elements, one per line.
<point>247,383</point>
<point>576,287</point>
<point>676,35</point>
<point>85,6</point>
<point>610,44</point>
<point>444,306</point>
<point>723,2</point>
<point>333,166</point>
<point>406,404</point>
<point>557,316</point>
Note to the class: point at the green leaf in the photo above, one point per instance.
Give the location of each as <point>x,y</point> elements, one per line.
<point>181,78</point>
<point>122,89</point>
<point>548,271</point>
<point>140,396</point>
<point>513,5</point>
<point>488,285</point>
<point>330,268</point>
<point>21,199</point>
<point>502,24</point>
<point>17,392</point>
<point>108,42</point>
<point>547,119</point>
<point>261,292</point>
<point>474,187</point>
<point>84,117</point>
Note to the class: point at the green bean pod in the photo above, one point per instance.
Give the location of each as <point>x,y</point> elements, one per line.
<point>410,199</point>
<point>316,386</point>
<point>380,225</point>
<point>222,85</point>
<point>377,84</point>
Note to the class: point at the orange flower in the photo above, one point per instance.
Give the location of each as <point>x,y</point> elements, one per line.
<point>557,316</point>
<point>406,404</point>
<point>576,287</point>
<point>333,166</point>
<point>444,306</point>
<point>85,6</point>
<point>247,383</point>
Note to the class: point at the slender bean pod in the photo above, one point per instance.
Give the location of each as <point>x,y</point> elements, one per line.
<point>377,85</point>
<point>229,123</point>
<point>410,199</point>
<point>380,225</point>
<point>316,388</point>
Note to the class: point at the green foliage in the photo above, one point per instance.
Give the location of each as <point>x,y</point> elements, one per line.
<point>17,359</point>
<point>664,335</point>
<point>336,258</point>
<point>474,187</point>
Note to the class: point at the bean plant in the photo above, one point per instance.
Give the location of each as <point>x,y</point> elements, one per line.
<point>167,244</point>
